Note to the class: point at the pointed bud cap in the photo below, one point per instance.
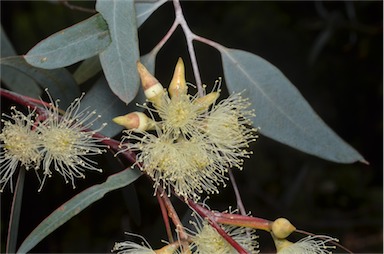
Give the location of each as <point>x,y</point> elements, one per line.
<point>135,120</point>
<point>281,228</point>
<point>152,87</point>
<point>207,100</point>
<point>178,84</point>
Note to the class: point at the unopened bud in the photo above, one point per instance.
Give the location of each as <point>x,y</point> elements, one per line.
<point>207,100</point>
<point>281,244</point>
<point>168,249</point>
<point>135,120</point>
<point>178,84</point>
<point>281,228</point>
<point>151,86</point>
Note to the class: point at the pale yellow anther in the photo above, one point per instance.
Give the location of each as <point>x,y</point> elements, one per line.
<point>281,228</point>
<point>178,84</point>
<point>207,100</point>
<point>135,120</point>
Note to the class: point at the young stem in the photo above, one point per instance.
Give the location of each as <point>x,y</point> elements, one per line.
<point>205,213</point>
<point>242,221</point>
<point>189,36</point>
<point>165,216</point>
<point>239,202</point>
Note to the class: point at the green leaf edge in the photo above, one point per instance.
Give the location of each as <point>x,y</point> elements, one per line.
<point>76,204</point>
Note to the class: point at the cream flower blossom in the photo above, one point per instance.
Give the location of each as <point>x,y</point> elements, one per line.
<point>316,244</point>
<point>129,247</point>
<point>207,240</point>
<point>228,129</point>
<point>19,145</point>
<point>189,166</point>
<point>67,140</point>
<point>195,142</point>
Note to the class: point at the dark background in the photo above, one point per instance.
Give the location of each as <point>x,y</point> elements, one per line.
<point>331,51</point>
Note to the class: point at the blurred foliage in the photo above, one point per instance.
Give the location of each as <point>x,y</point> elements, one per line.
<point>332,52</point>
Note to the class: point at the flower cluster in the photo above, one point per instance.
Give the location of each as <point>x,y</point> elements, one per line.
<point>194,140</point>
<point>316,244</point>
<point>312,244</point>
<point>202,239</point>
<point>50,140</point>
<point>206,239</point>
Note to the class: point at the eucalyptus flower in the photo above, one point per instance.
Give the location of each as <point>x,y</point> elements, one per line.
<point>189,166</point>
<point>188,143</point>
<point>316,244</point>
<point>67,141</point>
<point>19,145</point>
<point>128,247</point>
<point>205,238</point>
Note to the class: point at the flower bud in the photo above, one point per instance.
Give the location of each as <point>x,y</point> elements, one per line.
<point>178,84</point>
<point>207,100</point>
<point>153,90</point>
<point>281,244</point>
<point>281,228</point>
<point>168,249</point>
<point>135,120</point>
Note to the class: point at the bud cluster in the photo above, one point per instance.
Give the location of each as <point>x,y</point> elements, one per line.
<point>194,142</point>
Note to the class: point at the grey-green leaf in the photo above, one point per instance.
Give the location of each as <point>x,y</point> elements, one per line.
<point>87,69</point>
<point>144,10</point>
<point>59,81</point>
<point>75,205</point>
<point>108,106</point>
<point>71,45</point>
<point>15,80</point>
<point>119,58</point>
<point>281,111</point>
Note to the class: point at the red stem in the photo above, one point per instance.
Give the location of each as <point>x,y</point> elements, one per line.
<point>165,217</point>
<point>205,213</point>
<point>242,221</point>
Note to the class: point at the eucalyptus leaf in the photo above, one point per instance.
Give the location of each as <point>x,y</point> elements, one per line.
<point>77,204</point>
<point>14,79</point>
<point>59,81</point>
<point>144,10</point>
<point>87,69</point>
<point>108,106</point>
<point>282,113</point>
<point>119,58</point>
<point>71,45</point>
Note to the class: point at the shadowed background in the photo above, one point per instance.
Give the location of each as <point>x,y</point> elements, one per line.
<point>331,51</point>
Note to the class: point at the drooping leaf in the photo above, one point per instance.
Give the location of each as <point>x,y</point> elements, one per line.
<point>87,69</point>
<point>119,58</point>
<point>75,205</point>
<point>14,219</point>
<point>59,81</point>
<point>108,106</point>
<point>144,10</point>
<point>281,111</point>
<point>71,45</point>
<point>15,80</point>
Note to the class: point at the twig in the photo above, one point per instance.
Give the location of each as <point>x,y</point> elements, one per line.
<point>165,216</point>
<point>205,213</point>
<point>189,38</point>
<point>239,202</point>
